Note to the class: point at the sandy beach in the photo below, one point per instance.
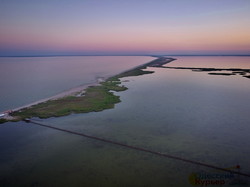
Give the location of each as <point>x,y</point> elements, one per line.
<point>79,90</point>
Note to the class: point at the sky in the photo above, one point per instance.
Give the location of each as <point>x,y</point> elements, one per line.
<point>124,27</point>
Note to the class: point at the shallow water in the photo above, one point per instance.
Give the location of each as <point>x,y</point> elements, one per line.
<point>187,114</point>
<point>212,62</point>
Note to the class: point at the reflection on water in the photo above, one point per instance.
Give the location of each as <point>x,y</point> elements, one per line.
<point>242,62</point>
<point>179,112</point>
<point>215,66</point>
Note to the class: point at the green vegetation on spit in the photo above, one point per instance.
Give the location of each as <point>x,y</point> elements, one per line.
<point>95,98</point>
<point>3,121</point>
<point>133,72</point>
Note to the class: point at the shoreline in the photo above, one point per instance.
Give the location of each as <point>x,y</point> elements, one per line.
<point>69,92</point>
<point>110,82</point>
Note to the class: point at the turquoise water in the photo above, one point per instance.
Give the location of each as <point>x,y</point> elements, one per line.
<point>187,114</point>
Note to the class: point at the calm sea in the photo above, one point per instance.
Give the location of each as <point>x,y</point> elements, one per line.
<point>189,114</point>
<point>28,79</point>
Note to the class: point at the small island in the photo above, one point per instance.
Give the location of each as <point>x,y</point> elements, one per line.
<point>94,98</point>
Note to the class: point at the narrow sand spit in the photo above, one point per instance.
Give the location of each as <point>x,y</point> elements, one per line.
<point>79,90</point>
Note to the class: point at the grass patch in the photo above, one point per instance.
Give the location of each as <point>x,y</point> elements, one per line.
<point>134,72</point>
<point>2,120</point>
<point>113,85</point>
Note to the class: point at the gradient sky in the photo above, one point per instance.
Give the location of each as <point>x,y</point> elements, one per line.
<point>47,27</point>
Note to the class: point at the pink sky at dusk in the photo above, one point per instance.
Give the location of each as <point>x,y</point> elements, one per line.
<point>118,27</point>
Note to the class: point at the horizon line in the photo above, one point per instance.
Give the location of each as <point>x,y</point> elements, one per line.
<point>152,55</point>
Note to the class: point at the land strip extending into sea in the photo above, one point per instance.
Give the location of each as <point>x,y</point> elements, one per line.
<point>82,99</point>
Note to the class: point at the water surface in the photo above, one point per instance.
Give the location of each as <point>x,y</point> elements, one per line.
<point>187,114</point>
